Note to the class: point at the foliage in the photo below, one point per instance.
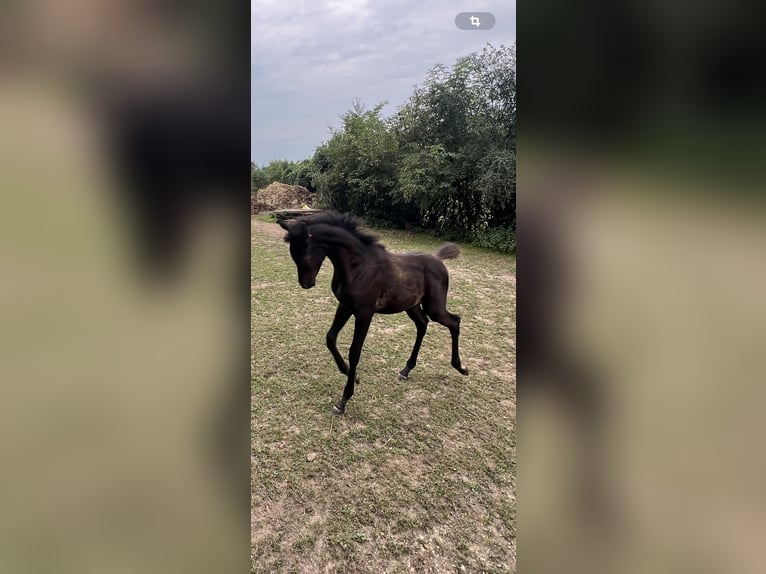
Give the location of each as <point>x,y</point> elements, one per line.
<point>356,170</point>
<point>458,132</point>
<point>502,239</point>
<point>283,171</point>
<point>444,162</point>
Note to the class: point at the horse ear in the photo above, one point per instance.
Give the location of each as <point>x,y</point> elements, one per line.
<point>283,225</point>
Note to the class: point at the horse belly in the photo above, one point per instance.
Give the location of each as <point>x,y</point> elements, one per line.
<point>390,303</point>
<point>344,297</point>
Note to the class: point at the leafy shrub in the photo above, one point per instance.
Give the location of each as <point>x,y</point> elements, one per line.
<point>502,239</point>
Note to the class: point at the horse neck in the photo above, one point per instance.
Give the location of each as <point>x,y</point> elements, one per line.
<point>344,249</point>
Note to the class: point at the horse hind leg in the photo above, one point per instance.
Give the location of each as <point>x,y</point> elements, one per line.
<point>452,322</point>
<point>455,332</point>
<point>421,323</point>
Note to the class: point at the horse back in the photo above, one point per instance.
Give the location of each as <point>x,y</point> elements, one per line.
<point>408,279</point>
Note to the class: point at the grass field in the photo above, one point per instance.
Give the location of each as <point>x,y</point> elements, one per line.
<point>418,476</point>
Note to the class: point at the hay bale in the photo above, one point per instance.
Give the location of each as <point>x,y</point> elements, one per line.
<point>281,196</point>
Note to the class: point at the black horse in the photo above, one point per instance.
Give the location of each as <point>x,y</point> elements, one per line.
<point>368,279</point>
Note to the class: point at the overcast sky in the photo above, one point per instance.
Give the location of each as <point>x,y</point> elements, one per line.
<point>311,59</point>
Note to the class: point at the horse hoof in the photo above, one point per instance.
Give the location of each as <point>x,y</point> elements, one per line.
<point>336,411</point>
<point>402,376</point>
<point>463,371</point>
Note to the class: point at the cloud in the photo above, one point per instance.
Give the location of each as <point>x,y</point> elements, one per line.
<point>310,60</point>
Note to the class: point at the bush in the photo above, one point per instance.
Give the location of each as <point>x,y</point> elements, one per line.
<point>502,239</point>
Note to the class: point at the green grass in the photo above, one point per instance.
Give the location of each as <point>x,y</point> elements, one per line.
<point>265,217</point>
<point>417,474</point>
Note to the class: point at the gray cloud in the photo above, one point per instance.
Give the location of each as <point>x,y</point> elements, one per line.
<point>310,60</point>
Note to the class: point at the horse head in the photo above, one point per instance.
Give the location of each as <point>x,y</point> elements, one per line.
<point>307,253</point>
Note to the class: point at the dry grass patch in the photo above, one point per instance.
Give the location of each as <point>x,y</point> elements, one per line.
<point>417,476</point>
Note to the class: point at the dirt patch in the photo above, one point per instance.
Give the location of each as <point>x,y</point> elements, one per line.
<point>263,228</point>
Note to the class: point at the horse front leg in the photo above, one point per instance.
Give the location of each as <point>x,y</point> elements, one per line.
<point>342,315</point>
<point>361,326</point>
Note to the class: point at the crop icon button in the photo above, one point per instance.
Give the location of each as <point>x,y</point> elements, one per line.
<point>475,21</point>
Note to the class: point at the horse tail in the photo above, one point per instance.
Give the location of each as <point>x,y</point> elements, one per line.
<point>447,251</point>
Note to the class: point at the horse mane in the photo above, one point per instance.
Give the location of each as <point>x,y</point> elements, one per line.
<point>343,221</point>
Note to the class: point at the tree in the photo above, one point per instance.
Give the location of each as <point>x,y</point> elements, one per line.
<point>356,169</point>
<point>445,160</point>
<point>283,171</point>
<point>457,132</point>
